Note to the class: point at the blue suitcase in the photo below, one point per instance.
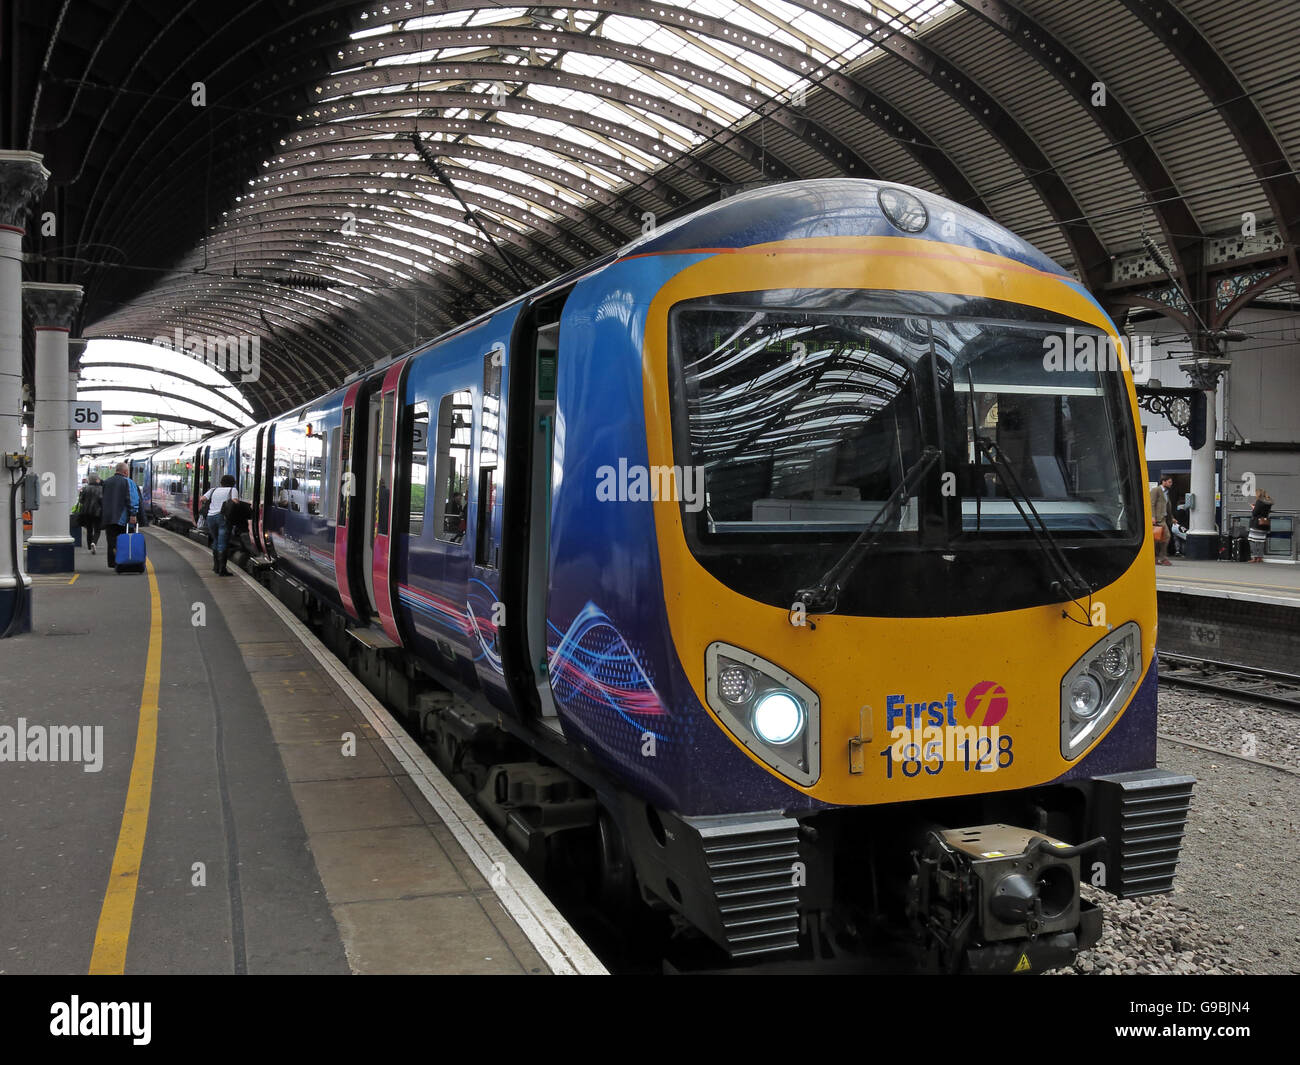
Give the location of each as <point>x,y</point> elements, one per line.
<point>130,551</point>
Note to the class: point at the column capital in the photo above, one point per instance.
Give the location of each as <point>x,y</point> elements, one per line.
<point>1204,373</point>
<point>51,306</point>
<point>76,349</point>
<point>22,183</point>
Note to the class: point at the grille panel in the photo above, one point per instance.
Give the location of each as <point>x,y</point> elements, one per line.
<point>1143,816</point>
<point>752,867</point>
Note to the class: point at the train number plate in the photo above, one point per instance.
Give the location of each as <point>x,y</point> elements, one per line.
<point>934,751</point>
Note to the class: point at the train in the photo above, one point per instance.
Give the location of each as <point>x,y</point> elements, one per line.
<point>788,572</point>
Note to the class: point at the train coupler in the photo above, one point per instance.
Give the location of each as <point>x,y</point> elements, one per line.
<point>997,898</point>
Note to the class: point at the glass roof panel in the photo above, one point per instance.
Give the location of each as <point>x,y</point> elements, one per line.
<point>619,142</point>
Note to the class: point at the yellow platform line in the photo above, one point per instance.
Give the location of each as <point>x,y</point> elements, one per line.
<point>74,578</point>
<point>114,930</point>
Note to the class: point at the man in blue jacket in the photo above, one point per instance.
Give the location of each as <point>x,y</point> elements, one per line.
<point>121,507</point>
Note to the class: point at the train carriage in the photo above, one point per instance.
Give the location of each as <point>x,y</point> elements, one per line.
<point>805,543</point>
<point>172,497</point>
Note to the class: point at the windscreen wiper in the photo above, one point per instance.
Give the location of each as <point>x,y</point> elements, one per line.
<point>823,597</point>
<point>1068,583</point>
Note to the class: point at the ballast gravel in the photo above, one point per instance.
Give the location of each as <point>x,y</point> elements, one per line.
<point>1235,907</point>
<point>1268,733</point>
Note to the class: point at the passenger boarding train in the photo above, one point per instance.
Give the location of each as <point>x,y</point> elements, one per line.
<point>770,560</point>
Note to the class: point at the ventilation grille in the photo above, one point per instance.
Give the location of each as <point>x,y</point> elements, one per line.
<point>1144,817</point>
<point>754,869</point>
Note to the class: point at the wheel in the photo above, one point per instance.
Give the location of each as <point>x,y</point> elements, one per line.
<point>618,890</point>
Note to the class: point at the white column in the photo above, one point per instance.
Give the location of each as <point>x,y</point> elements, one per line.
<point>76,348</point>
<point>22,183</point>
<point>1203,532</point>
<point>53,308</point>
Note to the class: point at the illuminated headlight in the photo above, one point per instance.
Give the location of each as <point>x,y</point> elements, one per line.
<point>771,712</point>
<point>1097,686</point>
<point>778,718</point>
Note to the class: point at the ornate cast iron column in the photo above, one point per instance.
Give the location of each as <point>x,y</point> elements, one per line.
<point>53,309</point>
<point>22,183</point>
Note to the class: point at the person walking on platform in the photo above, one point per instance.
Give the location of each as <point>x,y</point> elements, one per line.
<point>121,507</point>
<point>219,522</point>
<point>1258,531</point>
<point>1162,517</point>
<point>90,510</point>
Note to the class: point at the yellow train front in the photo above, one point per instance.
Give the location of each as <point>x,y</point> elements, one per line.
<point>851,582</point>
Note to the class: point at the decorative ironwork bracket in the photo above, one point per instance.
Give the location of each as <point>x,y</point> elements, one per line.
<point>1179,406</point>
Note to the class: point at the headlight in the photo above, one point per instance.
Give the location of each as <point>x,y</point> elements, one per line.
<point>1085,697</point>
<point>1097,685</point>
<point>771,712</point>
<point>736,684</point>
<point>778,717</point>
<point>1114,663</point>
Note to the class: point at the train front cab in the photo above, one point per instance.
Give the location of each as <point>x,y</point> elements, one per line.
<point>940,635</point>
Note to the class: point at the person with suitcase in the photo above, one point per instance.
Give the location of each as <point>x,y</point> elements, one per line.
<point>121,507</point>
<point>1161,517</point>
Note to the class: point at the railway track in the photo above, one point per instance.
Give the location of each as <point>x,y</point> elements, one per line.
<point>1230,680</point>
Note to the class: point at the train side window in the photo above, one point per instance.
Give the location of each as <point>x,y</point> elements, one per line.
<point>419,422</point>
<point>333,466</point>
<point>451,468</point>
<point>290,469</point>
<point>246,443</point>
<point>283,474</point>
<point>313,469</point>
<point>347,485</point>
<point>485,541</point>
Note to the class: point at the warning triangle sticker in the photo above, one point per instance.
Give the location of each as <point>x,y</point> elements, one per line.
<point>1022,966</point>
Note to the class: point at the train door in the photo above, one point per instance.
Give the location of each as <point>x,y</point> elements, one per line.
<point>266,473</point>
<point>539,561</point>
<point>342,444</point>
<point>366,544</point>
<point>198,467</point>
<point>382,461</point>
<point>246,450</point>
<point>526,526</point>
<point>487,527</point>
<point>486,571</point>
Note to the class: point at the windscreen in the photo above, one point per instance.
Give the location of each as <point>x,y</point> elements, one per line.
<point>806,411</point>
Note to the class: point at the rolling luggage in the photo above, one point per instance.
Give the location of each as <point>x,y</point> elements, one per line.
<point>130,551</point>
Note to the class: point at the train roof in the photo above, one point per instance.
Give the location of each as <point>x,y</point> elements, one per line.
<point>834,207</point>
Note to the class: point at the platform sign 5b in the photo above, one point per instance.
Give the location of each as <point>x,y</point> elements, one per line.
<point>87,414</point>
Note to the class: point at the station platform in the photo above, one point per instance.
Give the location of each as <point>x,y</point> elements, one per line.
<point>1231,612</point>
<point>190,783</point>
<point>1276,583</point>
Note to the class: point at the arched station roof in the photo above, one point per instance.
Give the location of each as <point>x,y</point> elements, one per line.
<point>343,180</point>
